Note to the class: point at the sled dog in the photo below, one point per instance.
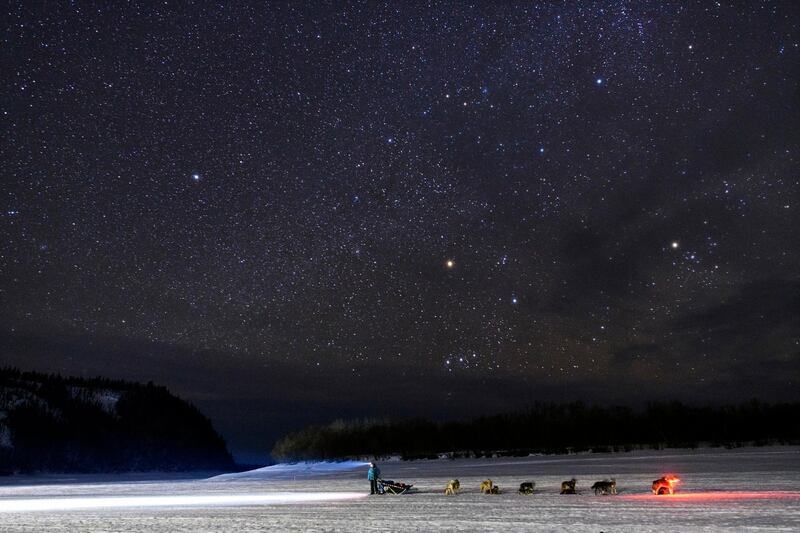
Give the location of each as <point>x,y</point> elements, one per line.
<point>453,486</point>
<point>605,487</point>
<point>568,487</point>
<point>486,486</point>
<point>526,487</point>
<point>665,485</point>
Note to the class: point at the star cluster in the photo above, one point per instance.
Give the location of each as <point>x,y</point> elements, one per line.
<point>601,196</point>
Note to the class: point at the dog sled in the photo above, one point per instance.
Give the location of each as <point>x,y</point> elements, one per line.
<point>387,486</point>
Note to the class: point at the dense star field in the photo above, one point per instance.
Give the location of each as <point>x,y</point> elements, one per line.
<point>294,212</point>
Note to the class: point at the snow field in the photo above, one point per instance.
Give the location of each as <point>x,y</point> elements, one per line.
<point>753,489</point>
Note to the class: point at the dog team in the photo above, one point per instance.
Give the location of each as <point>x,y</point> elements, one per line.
<point>607,486</point>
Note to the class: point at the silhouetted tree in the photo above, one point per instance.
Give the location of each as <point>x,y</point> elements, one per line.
<point>550,428</point>
<point>71,424</point>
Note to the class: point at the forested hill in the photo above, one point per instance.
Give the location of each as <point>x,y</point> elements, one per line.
<point>50,423</point>
<point>550,428</point>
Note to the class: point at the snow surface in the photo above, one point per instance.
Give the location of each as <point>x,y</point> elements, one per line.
<point>754,489</point>
<point>303,469</point>
<point>105,399</point>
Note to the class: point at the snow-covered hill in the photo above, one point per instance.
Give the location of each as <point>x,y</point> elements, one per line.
<point>50,423</point>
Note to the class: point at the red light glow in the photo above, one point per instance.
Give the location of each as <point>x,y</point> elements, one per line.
<point>715,496</point>
<point>665,484</point>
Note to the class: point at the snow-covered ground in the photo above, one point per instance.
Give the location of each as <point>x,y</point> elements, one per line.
<point>754,489</point>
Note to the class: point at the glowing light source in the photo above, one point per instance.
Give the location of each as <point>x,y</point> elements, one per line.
<point>665,484</point>
<point>450,263</point>
<point>202,500</point>
<point>675,244</point>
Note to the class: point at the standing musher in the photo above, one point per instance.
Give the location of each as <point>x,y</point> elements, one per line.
<point>373,475</point>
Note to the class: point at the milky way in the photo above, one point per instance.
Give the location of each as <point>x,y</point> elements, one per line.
<point>294,212</point>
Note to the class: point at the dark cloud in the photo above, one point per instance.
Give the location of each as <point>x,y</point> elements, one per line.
<point>745,346</point>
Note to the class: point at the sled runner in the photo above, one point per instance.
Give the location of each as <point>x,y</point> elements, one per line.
<point>387,486</point>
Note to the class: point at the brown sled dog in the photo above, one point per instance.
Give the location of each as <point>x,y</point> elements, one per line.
<point>453,486</point>
<point>488,487</point>
<point>568,487</point>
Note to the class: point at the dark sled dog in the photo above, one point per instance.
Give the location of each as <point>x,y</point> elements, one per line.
<point>568,487</point>
<point>605,487</point>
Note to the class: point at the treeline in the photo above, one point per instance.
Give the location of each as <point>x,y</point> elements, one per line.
<point>50,423</point>
<point>550,428</point>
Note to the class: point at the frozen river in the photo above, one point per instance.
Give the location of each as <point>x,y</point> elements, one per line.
<point>753,489</point>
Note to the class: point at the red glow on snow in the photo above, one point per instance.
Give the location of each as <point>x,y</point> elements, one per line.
<point>701,497</point>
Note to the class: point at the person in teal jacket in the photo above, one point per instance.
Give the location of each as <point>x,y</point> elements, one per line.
<point>373,475</point>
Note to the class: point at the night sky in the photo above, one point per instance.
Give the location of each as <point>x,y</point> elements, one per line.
<point>292,213</point>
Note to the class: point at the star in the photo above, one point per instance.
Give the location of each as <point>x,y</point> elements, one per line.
<point>450,263</point>
<point>196,177</point>
<point>675,245</point>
